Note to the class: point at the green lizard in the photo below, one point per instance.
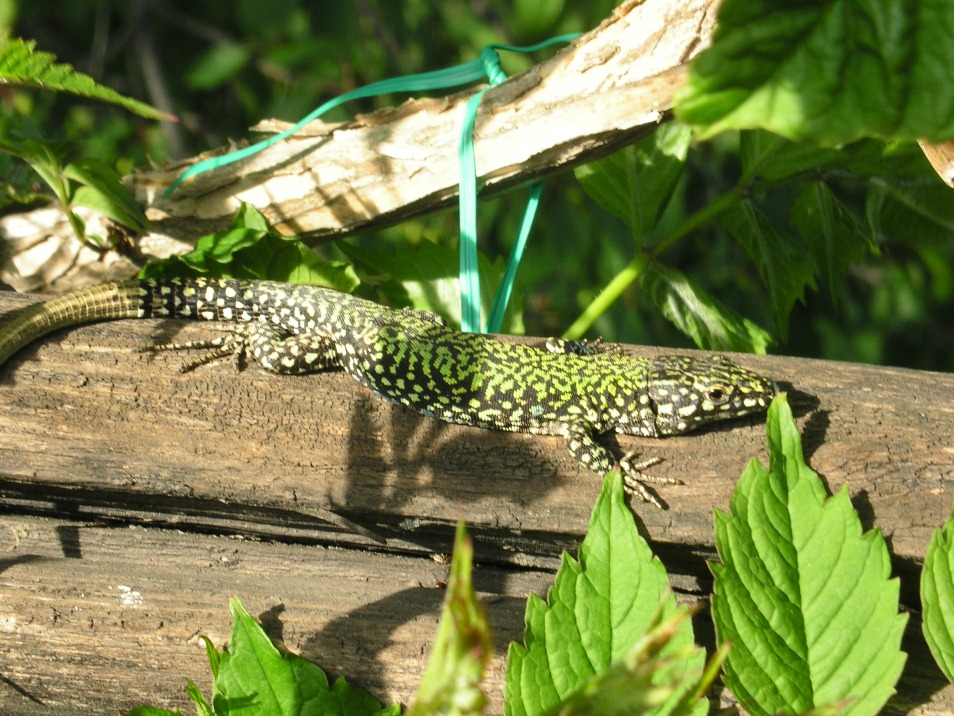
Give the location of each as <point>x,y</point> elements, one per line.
<point>414,359</point>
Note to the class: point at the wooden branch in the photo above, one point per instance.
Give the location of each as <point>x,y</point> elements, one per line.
<point>218,480</point>
<point>604,91</point>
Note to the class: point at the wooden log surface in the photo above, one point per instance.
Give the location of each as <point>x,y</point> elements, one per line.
<point>134,500</point>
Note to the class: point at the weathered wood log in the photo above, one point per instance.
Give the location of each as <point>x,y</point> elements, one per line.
<point>136,500</point>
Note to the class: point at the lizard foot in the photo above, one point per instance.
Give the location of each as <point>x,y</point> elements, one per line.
<point>232,344</point>
<point>634,479</point>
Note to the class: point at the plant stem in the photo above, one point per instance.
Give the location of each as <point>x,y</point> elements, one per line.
<point>621,281</point>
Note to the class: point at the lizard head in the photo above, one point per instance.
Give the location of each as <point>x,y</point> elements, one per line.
<point>686,392</point>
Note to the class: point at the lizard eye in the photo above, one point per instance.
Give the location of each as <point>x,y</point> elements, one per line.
<point>717,395</point>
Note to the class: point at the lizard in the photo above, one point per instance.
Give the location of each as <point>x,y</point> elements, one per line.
<point>575,389</point>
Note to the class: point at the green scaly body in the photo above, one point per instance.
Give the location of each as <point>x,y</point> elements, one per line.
<point>414,359</point>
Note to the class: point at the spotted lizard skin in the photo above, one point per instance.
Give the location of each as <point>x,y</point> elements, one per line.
<point>414,359</point>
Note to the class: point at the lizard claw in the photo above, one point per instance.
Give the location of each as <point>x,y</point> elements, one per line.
<point>634,477</point>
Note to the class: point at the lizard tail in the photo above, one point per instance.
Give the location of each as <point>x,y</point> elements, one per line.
<point>123,299</point>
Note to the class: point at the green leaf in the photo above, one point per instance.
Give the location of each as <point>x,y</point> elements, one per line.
<point>632,685</point>
<point>897,210</point>
<point>203,707</point>
<point>425,277</point>
<point>784,264</point>
<point>248,251</point>
<point>636,183</point>
<point>463,647</point>
<point>937,598</point>
<point>217,66</point>
<point>830,71</point>
<point>21,65</point>
<point>103,190</point>
<point>712,325</point>
<point>773,157</point>
<point>598,609</point>
<point>803,595</point>
<point>832,236</point>
<point>152,711</point>
<point>256,678</point>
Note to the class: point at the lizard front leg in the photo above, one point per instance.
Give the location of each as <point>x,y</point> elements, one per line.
<point>582,444</point>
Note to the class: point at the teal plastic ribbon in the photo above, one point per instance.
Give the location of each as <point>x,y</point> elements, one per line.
<point>487,65</point>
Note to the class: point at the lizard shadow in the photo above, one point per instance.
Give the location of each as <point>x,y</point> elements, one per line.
<point>427,457</point>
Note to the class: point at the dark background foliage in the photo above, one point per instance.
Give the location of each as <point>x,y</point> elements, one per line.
<point>222,66</point>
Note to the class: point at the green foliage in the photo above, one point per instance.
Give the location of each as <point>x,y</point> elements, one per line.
<point>588,640</point>
<point>937,598</point>
<point>804,596</point>
<point>81,182</point>
<point>699,315</point>
<point>451,684</point>
<point>254,677</point>
<point>831,72</point>
<point>425,277</point>
<point>21,64</point>
<point>251,248</point>
<point>870,218</point>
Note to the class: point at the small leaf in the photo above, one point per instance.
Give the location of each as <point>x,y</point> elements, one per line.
<point>784,264</point>
<point>636,183</point>
<point>20,64</point>
<point>255,253</point>
<point>937,598</point>
<point>217,66</point>
<point>805,598</point>
<point>463,647</point>
<point>897,210</point>
<point>699,315</point>
<point>830,71</point>
<point>773,157</point>
<point>255,678</point>
<point>152,711</point>
<point>832,236</point>
<point>598,609</point>
<point>109,196</point>
<point>203,707</point>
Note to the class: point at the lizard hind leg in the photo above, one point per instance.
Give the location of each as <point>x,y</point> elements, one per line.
<point>267,345</point>
<point>231,343</point>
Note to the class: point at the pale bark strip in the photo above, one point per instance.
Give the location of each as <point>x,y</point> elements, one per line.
<point>604,91</point>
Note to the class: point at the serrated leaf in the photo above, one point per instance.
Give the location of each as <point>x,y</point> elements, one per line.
<point>21,64</point>
<point>246,251</point>
<point>830,71</point>
<point>256,678</point>
<point>463,647</point>
<point>712,325</point>
<point>783,262</point>
<point>632,685</point>
<point>937,598</point>
<point>773,157</point>
<point>832,236</point>
<point>805,598</point>
<point>598,608</point>
<point>636,183</point>
<point>426,277</point>
<point>896,210</point>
